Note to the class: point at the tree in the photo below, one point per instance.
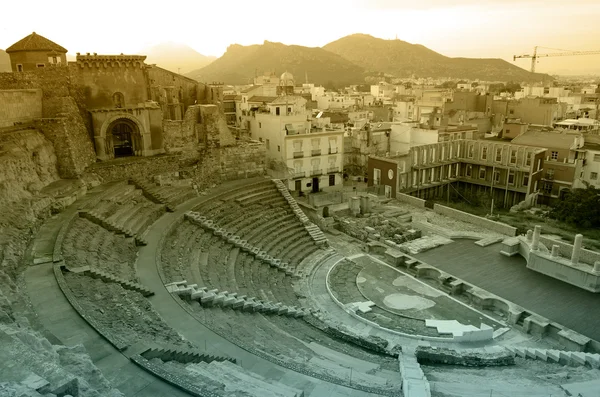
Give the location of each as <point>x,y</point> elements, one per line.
<point>579,207</point>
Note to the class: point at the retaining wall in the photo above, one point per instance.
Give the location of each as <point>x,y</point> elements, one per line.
<point>405,198</point>
<point>476,220</point>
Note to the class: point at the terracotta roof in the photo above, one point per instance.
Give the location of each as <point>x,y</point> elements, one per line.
<point>262,98</point>
<point>35,42</point>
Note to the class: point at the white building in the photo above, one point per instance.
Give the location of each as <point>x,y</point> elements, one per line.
<point>311,159</point>
<point>588,171</point>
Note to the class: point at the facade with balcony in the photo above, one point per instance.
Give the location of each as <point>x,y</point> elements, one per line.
<point>505,171</point>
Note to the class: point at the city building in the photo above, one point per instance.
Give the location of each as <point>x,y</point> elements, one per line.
<point>588,170</point>
<point>506,172</point>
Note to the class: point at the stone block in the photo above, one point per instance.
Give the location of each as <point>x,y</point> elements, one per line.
<point>207,299</point>
<point>553,356</point>
<point>564,357</point>
<point>578,358</point>
<point>593,360</point>
<point>229,301</point>
<point>541,354</point>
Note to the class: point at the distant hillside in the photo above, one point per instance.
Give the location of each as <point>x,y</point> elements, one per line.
<point>403,59</point>
<point>176,57</point>
<point>240,63</point>
<point>4,62</point>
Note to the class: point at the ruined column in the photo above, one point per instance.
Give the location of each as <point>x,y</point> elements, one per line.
<point>555,249</point>
<point>576,248</point>
<point>536,237</point>
<point>529,236</point>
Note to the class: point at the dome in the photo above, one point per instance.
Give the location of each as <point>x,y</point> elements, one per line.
<point>286,78</point>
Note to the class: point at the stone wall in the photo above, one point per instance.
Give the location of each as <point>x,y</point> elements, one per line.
<point>136,167</point>
<point>214,127</point>
<point>18,106</point>
<point>566,250</point>
<point>405,198</point>
<point>467,358</point>
<point>497,227</point>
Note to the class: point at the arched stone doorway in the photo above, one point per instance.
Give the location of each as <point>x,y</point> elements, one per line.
<point>124,137</point>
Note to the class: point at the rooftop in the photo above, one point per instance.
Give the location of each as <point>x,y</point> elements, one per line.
<point>262,99</point>
<point>554,139</point>
<point>35,42</point>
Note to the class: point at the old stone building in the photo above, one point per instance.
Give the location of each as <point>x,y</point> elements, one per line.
<point>35,51</point>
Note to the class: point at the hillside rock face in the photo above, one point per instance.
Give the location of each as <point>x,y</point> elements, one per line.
<point>240,64</point>
<point>403,59</point>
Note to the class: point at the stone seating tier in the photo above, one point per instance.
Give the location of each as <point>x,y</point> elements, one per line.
<point>572,358</point>
<point>108,278</point>
<point>224,299</point>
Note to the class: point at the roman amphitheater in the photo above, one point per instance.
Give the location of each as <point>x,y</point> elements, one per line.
<point>183,269</point>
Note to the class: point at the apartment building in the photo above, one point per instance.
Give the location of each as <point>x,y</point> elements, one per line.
<point>309,157</point>
<point>506,171</point>
<point>564,152</point>
<point>588,170</point>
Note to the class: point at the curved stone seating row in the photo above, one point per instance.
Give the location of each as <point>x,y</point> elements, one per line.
<point>243,245</point>
<point>108,278</point>
<point>111,226</point>
<point>311,228</point>
<point>224,299</point>
<point>88,244</point>
<point>342,282</point>
<point>170,196</point>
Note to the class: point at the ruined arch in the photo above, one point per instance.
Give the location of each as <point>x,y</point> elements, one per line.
<point>123,135</point>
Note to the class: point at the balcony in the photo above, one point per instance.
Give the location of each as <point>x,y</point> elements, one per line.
<point>298,174</point>
<point>316,172</point>
<point>298,155</point>
<point>315,152</point>
<point>333,169</point>
<point>333,150</point>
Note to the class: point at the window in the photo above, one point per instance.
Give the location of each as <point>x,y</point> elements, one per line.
<point>496,176</point>
<point>484,152</point>
<point>289,110</point>
<point>259,125</point>
<point>511,111</point>
<point>593,176</point>
<point>277,110</point>
<point>513,156</point>
<point>511,178</point>
<point>482,172</point>
<point>468,170</point>
<point>333,146</point>
<point>498,154</point>
<point>40,65</point>
<point>376,176</point>
<point>526,180</point>
<point>19,67</point>
<point>550,173</point>
<point>528,158</point>
<point>332,180</point>
<point>54,59</point>
<point>554,155</point>
<point>268,144</point>
<point>278,148</point>
<point>470,150</point>
<point>547,187</point>
<point>507,132</point>
<point>597,157</point>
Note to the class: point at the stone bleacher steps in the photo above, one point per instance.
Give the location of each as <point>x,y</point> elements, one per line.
<point>92,216</point>
<point>572,358</point>
<point>243,245</point>
<point>109,278</point>
<point>155,194</point>
<point>182,356</point>
<point>236,377</point>
<point>315,233</point>
<point>225,299</point>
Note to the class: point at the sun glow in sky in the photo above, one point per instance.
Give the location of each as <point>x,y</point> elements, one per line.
<point>464,28</point>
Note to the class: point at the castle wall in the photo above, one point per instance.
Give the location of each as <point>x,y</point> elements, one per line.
<point>18,106</point>
<point>173,91</point>
<point>102,80</point>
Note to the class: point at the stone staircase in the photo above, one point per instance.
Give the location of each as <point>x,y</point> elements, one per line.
<point>150,193</point>
<point>98,219</point>
<point>243,245</point>
<point>224,299</point>
<point>563,357</point>
<point>312,229</point>
<point>109,278</point>
<point>182,356</point>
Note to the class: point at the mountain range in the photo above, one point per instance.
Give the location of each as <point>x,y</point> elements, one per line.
<point>240,64</point>
<point>352,58</point>
<point>176,57</point>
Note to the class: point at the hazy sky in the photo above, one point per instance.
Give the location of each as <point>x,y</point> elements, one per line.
<point>467,28</point>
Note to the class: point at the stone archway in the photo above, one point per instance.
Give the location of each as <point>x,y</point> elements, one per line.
<point>121,135</point>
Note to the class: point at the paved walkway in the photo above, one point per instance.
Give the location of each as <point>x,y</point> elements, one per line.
<point>190,328</point>
<point>509,278</point>
<point>64,325</point>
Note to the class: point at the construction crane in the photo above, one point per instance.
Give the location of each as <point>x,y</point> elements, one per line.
<point>565,53</point>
